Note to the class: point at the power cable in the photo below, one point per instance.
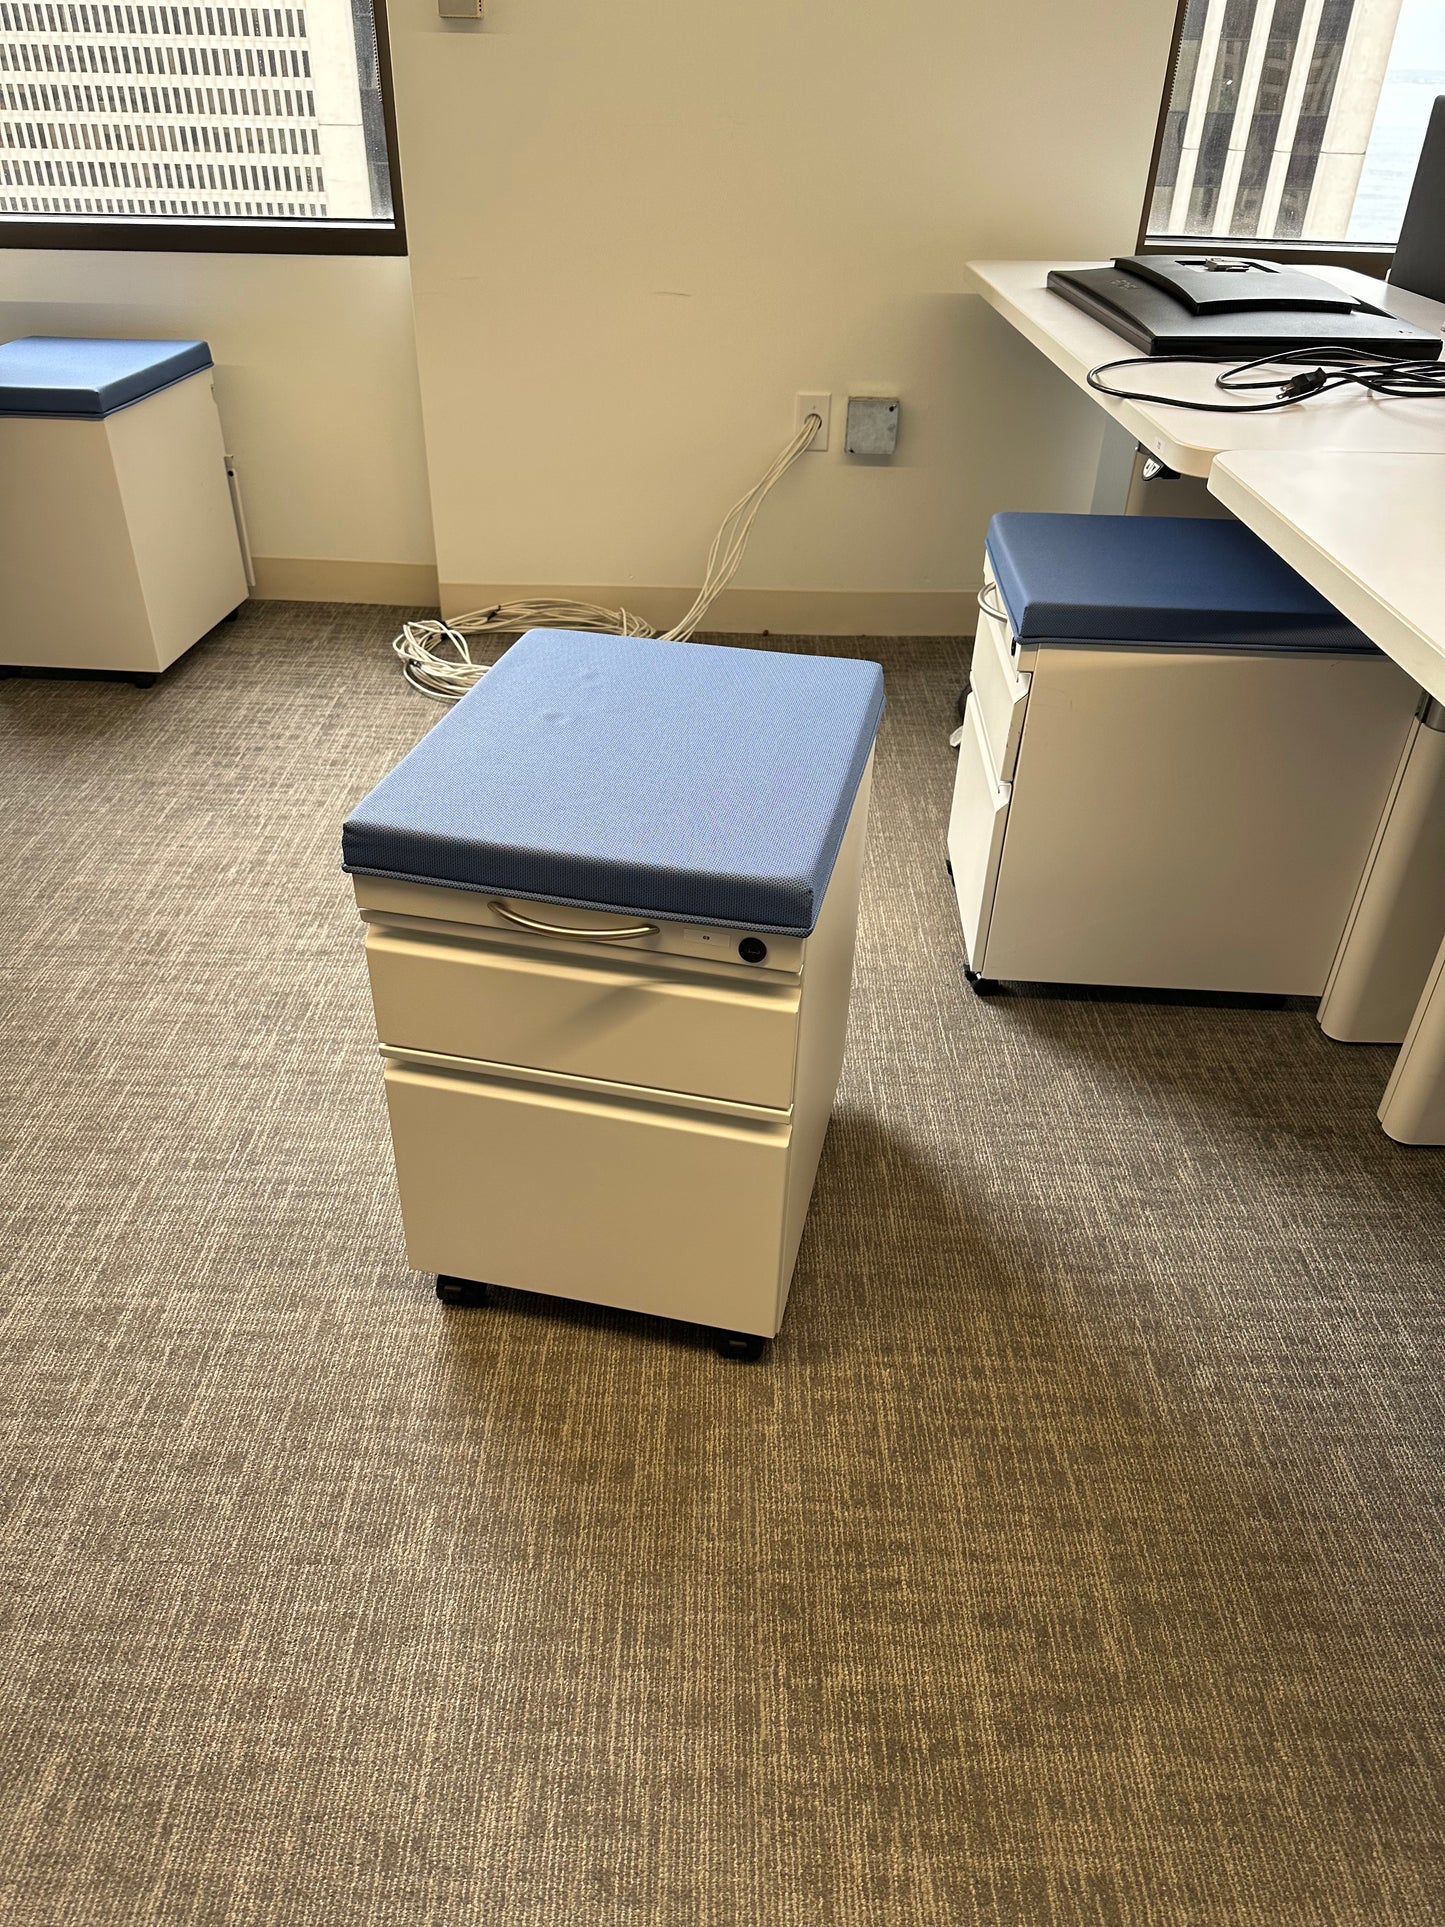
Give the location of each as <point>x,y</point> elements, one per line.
<point>436,655</point>
<point>1321,369</point>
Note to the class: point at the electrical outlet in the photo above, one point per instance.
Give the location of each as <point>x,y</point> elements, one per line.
<point>814,405</point>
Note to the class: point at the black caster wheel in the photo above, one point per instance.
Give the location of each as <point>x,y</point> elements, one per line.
<point>948,865</point>
<point>746,1347</point>
<point>963,699</point>
<point>982,986</point>
<point>144,682</point>
<point>465,1292</point>
<point>235,615</point>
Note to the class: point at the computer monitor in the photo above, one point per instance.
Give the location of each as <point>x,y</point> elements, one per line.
<point>1419,263</point>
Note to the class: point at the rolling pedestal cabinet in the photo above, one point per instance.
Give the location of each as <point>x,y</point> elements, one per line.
<point>119,544</point>
<point>610,905</point>
<point>1173,758</point>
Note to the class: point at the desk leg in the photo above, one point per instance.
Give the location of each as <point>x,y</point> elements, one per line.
<point>1413,1110</point>
<point>1122,487</point>
<point>1397,921</point>
<point>1115,472</point>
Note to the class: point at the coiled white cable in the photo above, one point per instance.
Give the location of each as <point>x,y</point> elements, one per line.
<point>436,657</point>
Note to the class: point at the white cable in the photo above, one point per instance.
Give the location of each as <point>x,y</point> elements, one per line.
<point>437,659</point>
<point>447,677</point>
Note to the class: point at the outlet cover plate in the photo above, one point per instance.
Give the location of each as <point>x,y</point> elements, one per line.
<point>814,405</point>
<point>872,425</point>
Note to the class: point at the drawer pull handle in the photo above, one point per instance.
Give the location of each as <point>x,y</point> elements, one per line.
<point>999,615</point>
<point>570,929</point>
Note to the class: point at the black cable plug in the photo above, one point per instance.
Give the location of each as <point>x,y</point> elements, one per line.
<point>1308,383</point>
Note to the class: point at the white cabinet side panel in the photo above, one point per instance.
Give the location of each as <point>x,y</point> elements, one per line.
<point>170,461</point>
<point>1193,821</point>
<point>823,1026</point>
<point>70,594</point>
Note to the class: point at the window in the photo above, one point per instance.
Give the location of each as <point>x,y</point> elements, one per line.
<point>1296,123</point>
<point>195,126</point>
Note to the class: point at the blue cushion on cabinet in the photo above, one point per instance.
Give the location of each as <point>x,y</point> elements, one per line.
<point>663,779</point>
<point>1162,580</point>
<point>57,375</point>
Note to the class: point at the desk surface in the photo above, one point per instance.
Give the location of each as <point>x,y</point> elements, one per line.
<point>1365,529</point>
<point>1188,441</point>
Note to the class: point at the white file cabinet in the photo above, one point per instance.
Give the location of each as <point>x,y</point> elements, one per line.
<point>119,545</point>
<point>619,1104</point>
<point>1155,808</point>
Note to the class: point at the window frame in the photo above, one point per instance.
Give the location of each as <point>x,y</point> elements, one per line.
<point>1365,257</point>
<point>180,235</point>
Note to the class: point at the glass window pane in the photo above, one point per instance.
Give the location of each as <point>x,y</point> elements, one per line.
<point>205,112</point>
<point>1297,119</point>
<point>1414,78</point>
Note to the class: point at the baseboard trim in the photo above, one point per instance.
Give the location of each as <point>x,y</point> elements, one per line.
<point>299,578</point>
<point>744,612</point>
<point>779,612</point>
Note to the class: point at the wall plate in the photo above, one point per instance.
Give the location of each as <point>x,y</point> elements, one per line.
<point>814,405</point>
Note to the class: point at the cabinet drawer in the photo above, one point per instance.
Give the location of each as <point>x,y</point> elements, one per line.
<point>1002,690</point>
<point>975,833</point>
<point>658,1023</point>
<point>671,1212</point>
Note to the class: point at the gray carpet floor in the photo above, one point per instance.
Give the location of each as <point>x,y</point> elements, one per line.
<point>1075,1559</point>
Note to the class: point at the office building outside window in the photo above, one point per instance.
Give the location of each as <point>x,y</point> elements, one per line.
<point>113,111</point>
<point>1297,120</point>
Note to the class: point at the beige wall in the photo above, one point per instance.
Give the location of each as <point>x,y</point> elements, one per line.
<point>639,227</point>
<point>316,383</point>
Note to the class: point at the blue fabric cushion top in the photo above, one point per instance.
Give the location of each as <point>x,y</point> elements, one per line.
<point>663,779</point>
<point>1158,579</point>
<point>55,375</point>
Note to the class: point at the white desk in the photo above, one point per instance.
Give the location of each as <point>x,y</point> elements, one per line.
<point>1343,419</point>
<point>1367,530</point>
<point>1350,489</point>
